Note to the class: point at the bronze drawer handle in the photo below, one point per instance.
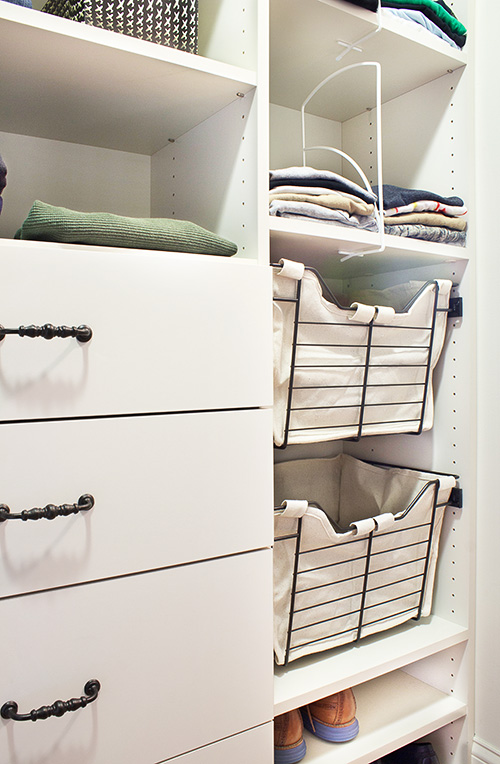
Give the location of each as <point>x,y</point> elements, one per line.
<point>58,708</point>
<point>48,332</point>
<point>50,511</point>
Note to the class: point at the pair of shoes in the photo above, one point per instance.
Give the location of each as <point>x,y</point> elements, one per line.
<point>289,744</point>
<point>333,718</point>
<point>413,753</point>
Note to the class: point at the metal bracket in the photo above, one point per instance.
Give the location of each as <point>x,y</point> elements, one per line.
<point>455,309</point>
<point>456,498</point>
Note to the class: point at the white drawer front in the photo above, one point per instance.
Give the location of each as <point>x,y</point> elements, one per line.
<point>168,489</point>
<point>249,747</point>
<point>180,654</point>
<point>170,332</point>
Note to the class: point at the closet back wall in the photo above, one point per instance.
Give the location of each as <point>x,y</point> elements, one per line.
<point>85,178</point>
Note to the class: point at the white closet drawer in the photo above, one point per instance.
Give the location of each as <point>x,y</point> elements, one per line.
<point>171,332</point>
<point>249,747</point>
<point>181,658</point>
<point>168,489</point>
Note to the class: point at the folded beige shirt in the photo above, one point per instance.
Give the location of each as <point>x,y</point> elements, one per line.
<point>427,218</point>
<point>340,201</point>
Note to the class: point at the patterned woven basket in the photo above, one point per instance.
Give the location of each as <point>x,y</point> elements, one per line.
<point>173,23</point>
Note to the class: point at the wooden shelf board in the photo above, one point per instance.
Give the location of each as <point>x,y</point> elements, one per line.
<point>77,83</point>
<point>392,711</point>
<point>319,675</point>
<point>321,243</point>
<point>409,54</point>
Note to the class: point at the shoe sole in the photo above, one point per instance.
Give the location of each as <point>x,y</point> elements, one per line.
<point>332,734</point>
<point>290,755</point>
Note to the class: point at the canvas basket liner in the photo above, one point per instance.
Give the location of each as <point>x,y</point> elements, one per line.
<point>363,370</point>
<point>391,515</point>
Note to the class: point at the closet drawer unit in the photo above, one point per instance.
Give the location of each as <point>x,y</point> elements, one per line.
<point>180,656</point>
<point>170,332</point>
<point>167,489</point>
<point>249,747</point>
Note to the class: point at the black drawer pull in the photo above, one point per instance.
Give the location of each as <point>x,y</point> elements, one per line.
<point>60,707</point>
<point>48,332</point>
<point>48,512</point>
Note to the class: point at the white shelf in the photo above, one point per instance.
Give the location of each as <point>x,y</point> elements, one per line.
<point>320,243</point>
<point>409,55</point>
<point>392,711</point>
<point>73,82</point>
<point>317,676</point>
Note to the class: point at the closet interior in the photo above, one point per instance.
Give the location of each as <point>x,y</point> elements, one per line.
<point>415,681</point>
<point>173,395</point>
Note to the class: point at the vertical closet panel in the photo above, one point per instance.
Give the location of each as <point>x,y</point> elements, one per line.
<point>425,138</point>
<point>220,195</point>
<point>228,31</point>
<point>487,739</point>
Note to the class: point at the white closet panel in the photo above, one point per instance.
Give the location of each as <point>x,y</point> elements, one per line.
<point>148,639</point>
<point>245,748</point>
<point>171,332</point>
<point>156,502</point>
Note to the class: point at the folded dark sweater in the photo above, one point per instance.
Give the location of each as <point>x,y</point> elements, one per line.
<point>395,196</point>
<point>25,3</point>
<point>48,223</point>
<point>437,13</point>
<point>370,5</point>
<point>3,175</point>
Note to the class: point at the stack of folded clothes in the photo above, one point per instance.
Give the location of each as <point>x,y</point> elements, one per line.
<point>48,223</point>
<point>3,180</point>
<point>306,193</point>
<point>434,15</point>
<point>424,215</point>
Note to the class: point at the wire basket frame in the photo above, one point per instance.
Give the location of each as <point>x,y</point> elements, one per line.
<point>341,592</point>
<point>368,384</point>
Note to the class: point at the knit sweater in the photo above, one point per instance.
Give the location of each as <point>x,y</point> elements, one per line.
<point>48,223</point>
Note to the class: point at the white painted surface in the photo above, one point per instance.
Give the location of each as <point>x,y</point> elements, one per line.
<point>324,673</point>
<point>246,748</point>
<point>488,268</point>
<point>172,332</point>
<point>304,45</point>
<point>392,711</point>
<point>168,490</point>
<point>148,639</point>
<point>83,178</point>
<point>93,86</point>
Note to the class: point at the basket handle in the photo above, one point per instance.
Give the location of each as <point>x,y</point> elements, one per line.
<point>291,269</point>
<point>293,508</point>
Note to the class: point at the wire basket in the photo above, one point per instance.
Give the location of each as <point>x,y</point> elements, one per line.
<point>341,373</point>
<point>358,555</point>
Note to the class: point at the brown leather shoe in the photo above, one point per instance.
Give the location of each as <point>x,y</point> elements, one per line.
<point>289,744</point>
<point>332,718</point>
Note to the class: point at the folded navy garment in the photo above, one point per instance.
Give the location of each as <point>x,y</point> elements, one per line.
<point>24,3</point>
<point>3,180</point>
<point>310,176</point>
<point>3,175</point>
<point>370,5</point>
<point>395,196</point>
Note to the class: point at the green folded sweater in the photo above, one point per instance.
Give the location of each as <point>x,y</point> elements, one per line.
<point>48,223</point>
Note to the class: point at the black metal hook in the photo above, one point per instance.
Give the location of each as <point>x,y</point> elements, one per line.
<point>9,710</point>
<point>50,511</point>
<point>48,332</point>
